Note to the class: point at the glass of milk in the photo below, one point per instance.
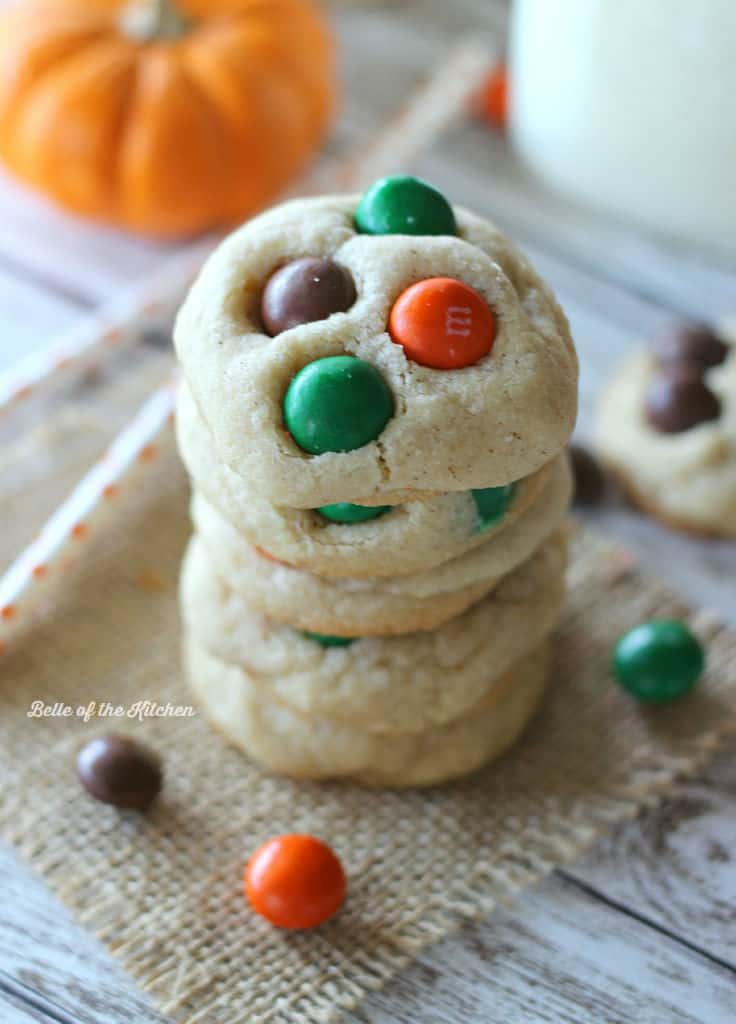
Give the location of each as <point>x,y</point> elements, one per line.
<point>630,106</point>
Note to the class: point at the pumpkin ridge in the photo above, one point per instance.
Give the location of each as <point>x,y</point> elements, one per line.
<point>218,121</point>
<point>28,19</point>
<point>232,95</point>
<point>39,165</point>
<point>122,127</point>
<point>315,98</point>
<point>12,106</point>
<point>292,40</point>
<point>149,185</point>
<point>266,100</point>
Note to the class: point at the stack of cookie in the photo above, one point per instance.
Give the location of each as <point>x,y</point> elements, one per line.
<point>378,393</point>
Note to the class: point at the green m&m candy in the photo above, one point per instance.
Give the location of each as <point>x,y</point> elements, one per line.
<point>344,512</point>
<point>658,660</point>
<point>337,404</point>
<point>329,641</point>
<point>492,503</point>
<point>401,205</point>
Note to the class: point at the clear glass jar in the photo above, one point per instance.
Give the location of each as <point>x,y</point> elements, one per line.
<point>630,106</point>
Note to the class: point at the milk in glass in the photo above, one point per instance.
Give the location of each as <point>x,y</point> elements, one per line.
<point>630,106</point>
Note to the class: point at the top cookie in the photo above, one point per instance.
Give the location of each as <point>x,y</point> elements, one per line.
<point>445,364</point>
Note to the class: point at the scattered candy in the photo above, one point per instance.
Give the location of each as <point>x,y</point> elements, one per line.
<point>443,323</point>
<point>494,97</point>
<point>492,503</point>
<point>402,205</point>
<point>658,660</point>
<point>329,641</point>
<point>344,512</point>
<point>590,480</point>
<point>303,291</point>
<point>295,881</point>
<point>337,404</point>
<point>120,771</point>
<point>678,399</point>
<point>690,343</point>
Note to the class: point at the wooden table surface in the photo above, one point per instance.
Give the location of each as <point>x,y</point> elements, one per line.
<point>641,929</point>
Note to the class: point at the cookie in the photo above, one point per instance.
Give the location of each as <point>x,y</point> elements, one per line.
<point>339,410</point>
<point>367,607</point>
<point>395,684</point>
<point>282,740</point>
<point>405,538</point>
<point>668,433</point>
<point>334,607</point>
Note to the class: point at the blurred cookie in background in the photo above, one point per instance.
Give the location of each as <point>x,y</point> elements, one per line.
<point>667,428</point>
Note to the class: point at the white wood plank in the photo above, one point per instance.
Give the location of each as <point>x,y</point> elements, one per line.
<point>15,1011</point>
<point>42,947</point>
<point>382,60</point>
<point>556,956</point>
<point>30,316</point>
<point>76,258</point>
<point>676,865</point>
<point>702,571</point>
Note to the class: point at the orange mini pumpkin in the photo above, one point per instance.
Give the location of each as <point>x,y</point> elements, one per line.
<point>165,116</point>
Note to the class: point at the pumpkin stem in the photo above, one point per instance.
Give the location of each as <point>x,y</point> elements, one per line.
<point>152,20</point>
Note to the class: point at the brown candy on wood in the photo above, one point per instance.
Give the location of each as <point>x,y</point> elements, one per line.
<point>120,771</point>
<point>678,399</point>
<point>690,343</point>
<point>303,291</point>
<point>590,480</point>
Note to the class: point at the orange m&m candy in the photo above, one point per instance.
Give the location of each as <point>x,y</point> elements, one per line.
<point>443,323</point>
<point>295,881</point>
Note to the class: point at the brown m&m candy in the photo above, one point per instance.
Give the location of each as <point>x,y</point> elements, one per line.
<point>303,291</point>
<point>590,481</point>
<point>678,399</point>
<point>120,771</point>
<point>690,343</point>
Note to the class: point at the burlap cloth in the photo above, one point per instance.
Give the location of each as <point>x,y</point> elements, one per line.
<point>164,891</point>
